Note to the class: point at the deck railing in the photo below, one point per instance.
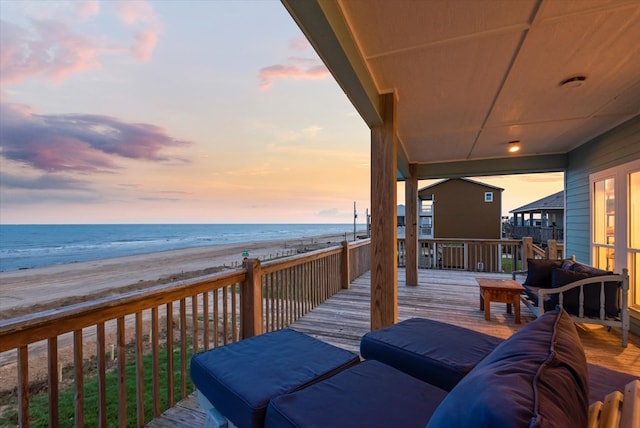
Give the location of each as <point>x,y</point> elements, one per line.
<point>141,341</point>
<point>539,234</point>
<point>478,255</point>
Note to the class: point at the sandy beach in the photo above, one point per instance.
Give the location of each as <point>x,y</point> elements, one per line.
<point>26,291</point>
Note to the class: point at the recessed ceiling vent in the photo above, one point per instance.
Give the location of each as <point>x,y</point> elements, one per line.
<point>573,82</point>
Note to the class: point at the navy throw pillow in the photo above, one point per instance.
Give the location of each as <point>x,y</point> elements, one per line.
<point>592,271</point>
<point>536,378</point>
<point>539,272</point>
<point>567,264</point>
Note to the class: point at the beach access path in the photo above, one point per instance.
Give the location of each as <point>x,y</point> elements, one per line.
<point>30,290</point>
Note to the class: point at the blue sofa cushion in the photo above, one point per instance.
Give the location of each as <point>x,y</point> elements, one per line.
<point>539,272</point>
<point>438,353</point>
<point>536,378</point>
<point>370,394</point>
<point>571,298</point>
<point>239,379</point>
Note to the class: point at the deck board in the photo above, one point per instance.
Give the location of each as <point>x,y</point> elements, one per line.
<point>446,296</point>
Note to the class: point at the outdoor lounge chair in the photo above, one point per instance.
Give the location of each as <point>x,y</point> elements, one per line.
<point>235,382</point>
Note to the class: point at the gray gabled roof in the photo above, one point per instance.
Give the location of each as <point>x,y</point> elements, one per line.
<point>462,179</point>
<point>551,202</point>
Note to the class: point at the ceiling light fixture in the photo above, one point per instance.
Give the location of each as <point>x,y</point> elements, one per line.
<point>514,146</point>
<point>573,82</point>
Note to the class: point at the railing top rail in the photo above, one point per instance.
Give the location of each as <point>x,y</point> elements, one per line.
<point>52,322</point>
<point>463,240</point>
<point>359,243</point>
<point>276,265</point>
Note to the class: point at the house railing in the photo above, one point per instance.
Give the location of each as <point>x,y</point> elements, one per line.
<point>539,234</point>
<point>141,341</point>
<point>553,250</point>
<point>479,255</point>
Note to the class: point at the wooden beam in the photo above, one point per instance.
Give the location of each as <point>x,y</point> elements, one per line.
<point>411,227</point>
<point>384,266</point>
<point>485,167</point>
<point>404,168</point>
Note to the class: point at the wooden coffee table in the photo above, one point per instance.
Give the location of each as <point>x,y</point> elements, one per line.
<point>499,290</point>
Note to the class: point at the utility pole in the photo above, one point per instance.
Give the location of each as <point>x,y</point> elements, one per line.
<point>368,218</point>
<point>355,216</point>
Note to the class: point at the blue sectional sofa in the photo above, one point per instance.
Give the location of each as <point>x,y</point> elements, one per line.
<point>588,294</point>
<point>538,377</point>
<point>417,373</point>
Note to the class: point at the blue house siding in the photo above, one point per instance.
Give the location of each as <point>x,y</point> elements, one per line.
<point>616,147</point>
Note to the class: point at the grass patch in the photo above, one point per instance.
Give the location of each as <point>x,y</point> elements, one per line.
<point>507,265</point>
<point>39,401</point>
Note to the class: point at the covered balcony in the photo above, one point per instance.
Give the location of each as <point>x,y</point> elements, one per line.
<point>446,88</point>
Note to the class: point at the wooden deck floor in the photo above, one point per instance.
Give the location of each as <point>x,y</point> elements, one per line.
<point>446,296</point>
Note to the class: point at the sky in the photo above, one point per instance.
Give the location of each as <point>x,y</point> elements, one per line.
<point>180,112</point>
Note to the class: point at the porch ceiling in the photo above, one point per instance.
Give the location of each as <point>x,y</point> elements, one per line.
<point>470,75</point>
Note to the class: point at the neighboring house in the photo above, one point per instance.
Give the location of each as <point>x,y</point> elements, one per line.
<point>460,208</point>
<point>542,219</point>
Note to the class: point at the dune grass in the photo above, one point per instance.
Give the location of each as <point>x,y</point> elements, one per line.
<point>39,402</point>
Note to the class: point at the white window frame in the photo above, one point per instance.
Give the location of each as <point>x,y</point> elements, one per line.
<point>488,196</point>
<point>622,245</point>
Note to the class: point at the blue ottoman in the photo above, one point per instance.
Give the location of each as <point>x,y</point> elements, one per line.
<point>370,394</point>
<point>239,379</point>
<point>438,353</point>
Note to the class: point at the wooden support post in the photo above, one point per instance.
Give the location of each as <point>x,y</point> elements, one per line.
<point>251,300</point>
<point>411,227</point>
<point>346,266</point>
<point>552,249</point>
<point>384,234</point>
<point>527,250</point>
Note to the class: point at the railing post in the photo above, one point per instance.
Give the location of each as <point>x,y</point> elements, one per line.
<point>527,250</point>
<point>625,308</point>
<point>346,266</point>
<point>251,300</point>
<point>552,249</point>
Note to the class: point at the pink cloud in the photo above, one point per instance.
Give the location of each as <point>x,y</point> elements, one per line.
<point>141,16</point>
<point>299,44</point>
<point>52,50</point>
<point>144,45</point>
<point>136,12</point>
<point>86,9</point>
<point>78,142</point>
<point>292,70</point>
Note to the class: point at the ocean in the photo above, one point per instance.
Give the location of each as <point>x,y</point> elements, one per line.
<point>32,246</point>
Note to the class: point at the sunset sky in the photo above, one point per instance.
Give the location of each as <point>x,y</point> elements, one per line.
<point>180,112</point>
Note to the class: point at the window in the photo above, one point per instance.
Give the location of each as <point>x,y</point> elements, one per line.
<point>615,223</point>
<point>488,196</point>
